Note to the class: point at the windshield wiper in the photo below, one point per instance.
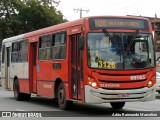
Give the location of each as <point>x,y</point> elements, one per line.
<point>130,44</point>
<point>112,40</point>
<point>107,33</point>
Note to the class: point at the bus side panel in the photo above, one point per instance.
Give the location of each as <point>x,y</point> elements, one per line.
<point>24,86</point>
<point>45,88</point>
<point>47,72</point>
<point>20,71</point>
<point>3,75</point>
<point>45,79</point>
<point>47,75</point>
<point>66,86</point>
<point>14,70</point>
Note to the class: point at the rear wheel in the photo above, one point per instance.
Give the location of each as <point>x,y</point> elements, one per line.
<point>18,95</point>
<point>62,102</point>
<point>117,105</point>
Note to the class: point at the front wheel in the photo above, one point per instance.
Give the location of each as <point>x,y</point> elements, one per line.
<point>117,105</point>
<point>62,102</point>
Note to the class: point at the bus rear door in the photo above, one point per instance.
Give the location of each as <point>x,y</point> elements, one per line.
<point>32,65</point>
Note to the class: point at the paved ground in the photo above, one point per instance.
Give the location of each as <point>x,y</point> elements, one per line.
<point>8,103</point>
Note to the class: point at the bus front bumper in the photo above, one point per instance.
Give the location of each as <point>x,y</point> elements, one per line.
<point>100,95</point>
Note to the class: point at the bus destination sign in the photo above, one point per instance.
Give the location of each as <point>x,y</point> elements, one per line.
<point>98,23</point>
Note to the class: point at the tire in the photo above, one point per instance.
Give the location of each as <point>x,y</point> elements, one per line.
<point>18,95</point>
<point>117,105</point>
<point>62,102</point>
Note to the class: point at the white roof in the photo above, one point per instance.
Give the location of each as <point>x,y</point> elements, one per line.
<point>12,39</point>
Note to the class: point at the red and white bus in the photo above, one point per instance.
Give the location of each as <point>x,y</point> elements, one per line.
<point>101,59</point>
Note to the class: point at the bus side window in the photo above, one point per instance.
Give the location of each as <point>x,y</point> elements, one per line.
<point>44,47</point>
<point>3,53</point>
<point>59,46</point>
<point>14,54</point>
<point>23,51</point>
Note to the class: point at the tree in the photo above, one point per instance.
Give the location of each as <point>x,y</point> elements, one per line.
<point>21,16</point>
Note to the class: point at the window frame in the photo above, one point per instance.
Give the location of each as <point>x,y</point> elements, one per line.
<point>13,51</point>
<point>45,47</point>
<point>60,46</point>
<point>19,52</point>
<point>3,53</point>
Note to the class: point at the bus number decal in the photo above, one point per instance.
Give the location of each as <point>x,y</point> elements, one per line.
<point>104,64</point>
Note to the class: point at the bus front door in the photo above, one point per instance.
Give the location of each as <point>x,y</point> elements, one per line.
<point>76,64</point>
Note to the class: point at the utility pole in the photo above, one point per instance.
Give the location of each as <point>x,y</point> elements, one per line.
<point>156,31</point>
<point>81,10</point>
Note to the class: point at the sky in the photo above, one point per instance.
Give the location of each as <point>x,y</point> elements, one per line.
<point>109,7</point>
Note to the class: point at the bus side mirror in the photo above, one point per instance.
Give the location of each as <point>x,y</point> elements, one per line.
<point>81,43</point>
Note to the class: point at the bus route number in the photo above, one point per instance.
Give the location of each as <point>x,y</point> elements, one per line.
<point>104,64</point>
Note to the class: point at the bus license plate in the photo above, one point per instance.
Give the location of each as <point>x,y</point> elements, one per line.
<point>123,95</point>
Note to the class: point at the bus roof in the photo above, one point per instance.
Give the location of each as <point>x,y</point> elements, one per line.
<point>14,38</point>
<point>63,26</point>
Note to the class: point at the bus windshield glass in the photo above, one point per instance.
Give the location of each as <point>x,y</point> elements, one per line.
<point>120,51</point>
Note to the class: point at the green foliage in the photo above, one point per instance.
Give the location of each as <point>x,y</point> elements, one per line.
<point>21,16</point>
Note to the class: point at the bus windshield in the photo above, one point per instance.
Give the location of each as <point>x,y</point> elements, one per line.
<point>120,51</point>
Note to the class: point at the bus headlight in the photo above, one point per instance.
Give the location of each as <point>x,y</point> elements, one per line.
<point>92,82</point>
<point>151,82</point>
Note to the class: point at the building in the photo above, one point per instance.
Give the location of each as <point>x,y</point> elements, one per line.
<point>156,30</point>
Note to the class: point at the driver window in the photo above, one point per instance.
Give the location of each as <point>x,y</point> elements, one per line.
<point>105,42</point>
<point>93,49</point>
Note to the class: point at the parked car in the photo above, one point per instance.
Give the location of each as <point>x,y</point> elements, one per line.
<point>158,82</point>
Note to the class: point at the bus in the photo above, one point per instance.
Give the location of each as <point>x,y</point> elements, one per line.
<point>96,59</point>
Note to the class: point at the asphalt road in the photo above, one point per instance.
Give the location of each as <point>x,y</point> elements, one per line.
<point>48,107</point>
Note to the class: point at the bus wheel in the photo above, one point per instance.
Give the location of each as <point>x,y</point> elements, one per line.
<point>17,95</point>
<point>62,102</point>
<point>117,105</point>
